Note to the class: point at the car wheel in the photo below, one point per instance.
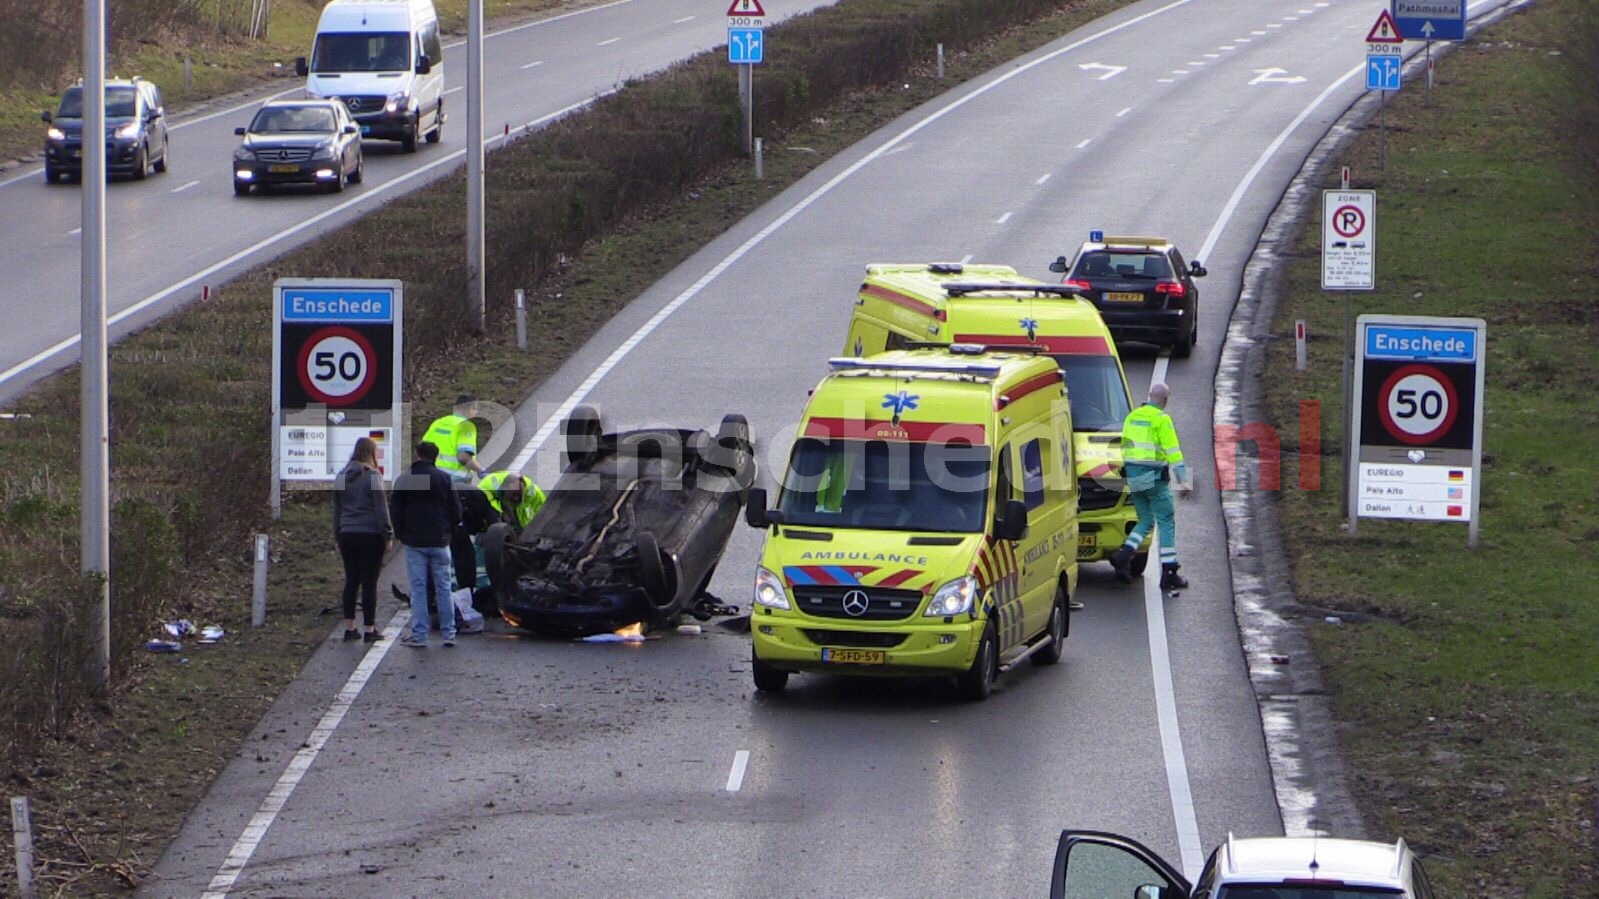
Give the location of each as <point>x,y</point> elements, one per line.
<point>494,557</point>
<point>977,682</point>
<point>767,678</point>
<point>1138,564</point>
<point>337,187</point>
<point>437,134</point>
<point>1183,347</point>
<point>161,164</point>
<point>51,176</point>
<point>655,570</point>
<point>408,141</point>
<point>732,444</point>
<point>1059,625</point>
<point>240,188</point>
<point>580,437</point>
<point>359,174</point>
<point>141,163</point>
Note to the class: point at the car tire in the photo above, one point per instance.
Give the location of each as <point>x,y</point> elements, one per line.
<point>580,436</point>
<point>732,446</point>
<point>337,187</point>
<point>161,164</point>
<point>141,163</point>
<point>241,188</point>
<point>767,678</point>
<point>1138,564</point>
<point>655,570</point>
<point>1059,627</point>
<point>493,541</point>
<point>437,134</point>
<point>408,140</point>
<point>51,176</point>
<point>359,174</point>
<point>977,682</point>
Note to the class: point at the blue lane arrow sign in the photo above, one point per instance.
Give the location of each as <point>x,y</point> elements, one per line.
<point>1383,72</point>
<point>745,46</point>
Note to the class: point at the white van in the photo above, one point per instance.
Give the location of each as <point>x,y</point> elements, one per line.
<point>383,58</point>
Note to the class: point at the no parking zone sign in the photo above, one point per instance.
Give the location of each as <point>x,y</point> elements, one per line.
<point>1417,423</point>
<point>336,365</point>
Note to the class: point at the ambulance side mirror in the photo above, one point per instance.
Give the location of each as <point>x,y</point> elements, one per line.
<point>1012,523</point>
<point>756,515</point>
<point>1059,265</point>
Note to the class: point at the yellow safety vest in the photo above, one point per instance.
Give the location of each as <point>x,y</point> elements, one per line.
<point>532,496</point>
<point>451,434</point>
<point>1150,438</point>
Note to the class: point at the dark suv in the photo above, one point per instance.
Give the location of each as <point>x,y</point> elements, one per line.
<point>1142,288</point>
<point>135,131</point>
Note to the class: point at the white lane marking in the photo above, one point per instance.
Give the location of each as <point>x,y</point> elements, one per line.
<point>621,352</point>
<point>1227,47</point>
<point>1196,64</point>
<point>1265,156</point>
<point>1213,56</point>
<point>1242,40</point>
<point>1124,112</point>
<point>536,62</point>
<point>1003,219</point>
<point>1110,71</point>
<point>1042,178</point>
<point>1274,25</point>
<point>965,259</point>
<point>1085,142</point>
<point>607,41</point>
<point>735,777</point>
<point>179,190</point>
<point>454,90</point>
<point>1258,33</point>
<point>365,196</point>
<point>75,232</point>
<point>1165,80</point>
<point>245,846</point>
<point>1179,71</point>
<point>682,20</point>
<point>1171,739</point>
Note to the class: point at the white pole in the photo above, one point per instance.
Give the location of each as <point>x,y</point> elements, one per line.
<point>760,170</point>
<point>96,414</point>
<point>1299,345</point>
<point>474,166</point>
<point>259,594</point>
<point>521,319</point>
<point>940,62</point>
<point>22,837</point>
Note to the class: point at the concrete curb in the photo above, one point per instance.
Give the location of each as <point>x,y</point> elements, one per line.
<point>1309,774</point>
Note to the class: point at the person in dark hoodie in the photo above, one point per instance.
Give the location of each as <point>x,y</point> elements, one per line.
<point>362,531</point>
<point>425,510</point>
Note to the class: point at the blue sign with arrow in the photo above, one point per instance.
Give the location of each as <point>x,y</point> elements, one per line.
<point>745,46</point>
<point>1383,72</point>
<point>1431,20</point>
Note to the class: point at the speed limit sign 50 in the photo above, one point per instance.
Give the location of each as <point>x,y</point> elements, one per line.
<point>337,365</point>
<point>1418,404</point>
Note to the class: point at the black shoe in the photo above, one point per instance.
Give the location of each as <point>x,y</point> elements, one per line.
<point>1170,579</point>
<point>399,594</point>
<point>371,637</point>
<point>352,635</point>
<point>1120,560</point>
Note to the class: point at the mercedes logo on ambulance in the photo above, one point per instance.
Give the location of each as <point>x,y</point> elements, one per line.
<point>856,603</point>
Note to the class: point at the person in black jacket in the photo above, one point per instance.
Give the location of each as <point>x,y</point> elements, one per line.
<point>362,531</point>
<point>426,510</point>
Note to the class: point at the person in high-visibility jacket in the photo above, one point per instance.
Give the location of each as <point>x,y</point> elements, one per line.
<point>456,437</point>
<point>503,496</point>
<point>1151,455</point>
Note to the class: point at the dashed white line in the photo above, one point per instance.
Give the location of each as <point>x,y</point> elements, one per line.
<point>75,232</point>
<point>1258,33</point>
<point>1042,178</point>
<point>1213,56</point>
<point>1003,219</point>
<point>965,259</point>
<point>1227,47</point>
<point>536,62</point>
<point>1242,40</point>
<point>179,190</point>
<point>1124,112</point>
<point>1196,65</point>
<point>1165,80</point>
<point>1179,71</point>
<point>1274,25</point>
<point>1086,142</point>
<point>1290,18</point>
<point>682,20</point>
<point>454,90</point>
<point>607,41</point>
<point>735,777</point>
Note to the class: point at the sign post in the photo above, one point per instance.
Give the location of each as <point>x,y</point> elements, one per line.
<point>1418,432</point>
<point>746,48</point>
<point>1430,20</point>
<point>336,364</point>
<point>1385,64</point>
<point>1348,262</point>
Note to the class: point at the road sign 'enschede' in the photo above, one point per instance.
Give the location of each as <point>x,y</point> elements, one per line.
<point>1417,427</point>
<point>336,364</point>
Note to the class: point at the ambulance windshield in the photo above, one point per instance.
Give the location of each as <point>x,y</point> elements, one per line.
<point>1096,392</point>
<point>887,485</point>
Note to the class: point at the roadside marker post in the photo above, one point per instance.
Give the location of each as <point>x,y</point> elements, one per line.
<point>259,587</point>
<point>521,319</point>
<point>1300,362</point>
<point>22,838</point>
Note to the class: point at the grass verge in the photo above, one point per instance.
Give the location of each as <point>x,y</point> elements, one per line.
<point>1467,681</point>
<point>190,441</point>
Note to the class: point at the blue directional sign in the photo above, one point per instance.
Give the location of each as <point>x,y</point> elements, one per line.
<point>1382,72</point>
<point>745,46</point>
<point>1430,20</point>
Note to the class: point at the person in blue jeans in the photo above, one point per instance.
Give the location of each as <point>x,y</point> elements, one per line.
<point>425,511</point>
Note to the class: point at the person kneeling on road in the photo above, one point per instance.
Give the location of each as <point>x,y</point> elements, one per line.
<point>1150,455</point>
<point>501,496</point>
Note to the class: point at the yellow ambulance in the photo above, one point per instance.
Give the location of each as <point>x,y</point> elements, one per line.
<point>910,304</point>
<point>924,524</point>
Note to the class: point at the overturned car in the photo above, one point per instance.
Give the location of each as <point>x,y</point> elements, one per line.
<point>630,534</point>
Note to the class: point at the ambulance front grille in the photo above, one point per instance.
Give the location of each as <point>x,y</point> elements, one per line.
<point>880,603</point>
<point>861,639</point>
<point>1093,495</point>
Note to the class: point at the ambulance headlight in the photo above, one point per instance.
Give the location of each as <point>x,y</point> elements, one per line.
<point>954,598</point>
<point>769,590</point>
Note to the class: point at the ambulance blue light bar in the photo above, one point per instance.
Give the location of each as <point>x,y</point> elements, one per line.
<point>977,369</point>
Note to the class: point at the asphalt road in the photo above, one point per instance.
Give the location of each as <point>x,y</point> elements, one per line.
<point>510,766</point>
<point>171,235</point>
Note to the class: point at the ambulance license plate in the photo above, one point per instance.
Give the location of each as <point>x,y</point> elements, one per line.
<point>1086,540</point>
<point>1114,297</point>
<point>855,656</point>
<point>283,169</point>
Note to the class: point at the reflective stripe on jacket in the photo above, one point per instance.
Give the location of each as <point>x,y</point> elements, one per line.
<point>1150,438</point>
<point>532,496</point>
<point>451,434</point>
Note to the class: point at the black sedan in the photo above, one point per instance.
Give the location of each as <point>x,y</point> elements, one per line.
<point>630,534</point>
<point>1142,288</point>
<point>299,142</point>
